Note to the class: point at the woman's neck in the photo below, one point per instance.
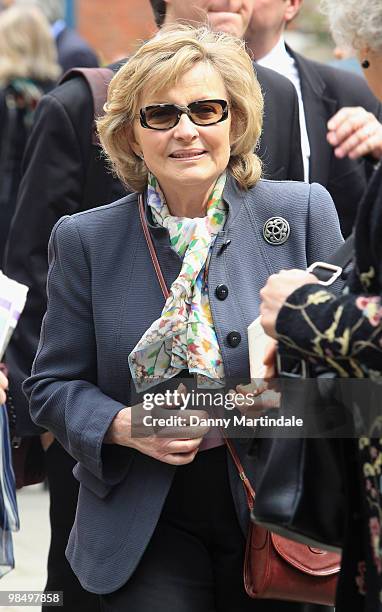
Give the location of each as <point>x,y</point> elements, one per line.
<point>188,201</point>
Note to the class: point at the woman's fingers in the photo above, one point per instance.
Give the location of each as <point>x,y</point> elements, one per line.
<point>276,291</point>
<point>3,388</point>
<point>270,360</point>
<point>183,446</point>
<point>270,353</point>
<point>354,132</point>
<point>253,400</point>
<point>180,459</point>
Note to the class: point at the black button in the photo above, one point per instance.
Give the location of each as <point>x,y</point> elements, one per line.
<point>221,292</point>
<point>234,338</point>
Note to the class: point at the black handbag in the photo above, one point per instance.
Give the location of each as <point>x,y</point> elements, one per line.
<point>301,489</point>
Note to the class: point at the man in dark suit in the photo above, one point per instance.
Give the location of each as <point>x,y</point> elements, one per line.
<point>279,148</point>
<point>65,173</point>
<point>339,116</point>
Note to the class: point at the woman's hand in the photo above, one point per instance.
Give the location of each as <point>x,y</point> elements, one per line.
<point>3,387</point>
<point>258,396</point>
<point>176,445</point>
<point>270,360</point>
<point>276,291</point>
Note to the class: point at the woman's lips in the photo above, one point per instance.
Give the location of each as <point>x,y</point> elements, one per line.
<point>187,154</point>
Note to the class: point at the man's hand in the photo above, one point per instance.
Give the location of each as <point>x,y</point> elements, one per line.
<point>354,132</point>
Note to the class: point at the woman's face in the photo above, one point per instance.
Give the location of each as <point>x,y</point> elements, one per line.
<point>186,155</point>
<point>373,74</point>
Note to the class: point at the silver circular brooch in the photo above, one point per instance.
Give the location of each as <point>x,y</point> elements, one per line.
<point>276,230</point>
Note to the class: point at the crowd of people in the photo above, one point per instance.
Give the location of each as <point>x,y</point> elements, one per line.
<point>214,128</point>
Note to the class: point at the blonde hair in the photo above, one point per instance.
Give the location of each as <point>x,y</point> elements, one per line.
<point>27,48</point>
<point>52,9</point>
<point>160,63</point>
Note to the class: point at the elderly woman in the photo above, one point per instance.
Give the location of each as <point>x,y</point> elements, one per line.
<point>161,521</point>
<point>345,333</point>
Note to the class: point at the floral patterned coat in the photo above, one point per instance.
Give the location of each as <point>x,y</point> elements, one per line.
<point>345,333</point>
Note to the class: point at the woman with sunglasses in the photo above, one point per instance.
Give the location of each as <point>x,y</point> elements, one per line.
<point>157,289</point>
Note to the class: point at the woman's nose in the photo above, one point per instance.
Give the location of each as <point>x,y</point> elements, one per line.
<point>230,6</point>
<point>185,129</point>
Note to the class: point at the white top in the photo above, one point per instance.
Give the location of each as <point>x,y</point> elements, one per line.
<point>278,59</point>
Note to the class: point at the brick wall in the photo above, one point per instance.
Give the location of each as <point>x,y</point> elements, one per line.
<point>112,27</point>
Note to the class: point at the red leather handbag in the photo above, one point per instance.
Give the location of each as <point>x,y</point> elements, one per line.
<point>278,568</point>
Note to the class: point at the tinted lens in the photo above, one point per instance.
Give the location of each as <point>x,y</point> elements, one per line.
<point>161,117</point>
<point>206,112</point>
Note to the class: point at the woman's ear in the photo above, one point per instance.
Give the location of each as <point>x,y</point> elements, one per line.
<point>134,144</point>
<point>233,134</point>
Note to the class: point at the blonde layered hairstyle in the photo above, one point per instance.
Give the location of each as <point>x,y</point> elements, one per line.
<point>159,64</point>
<point>27,48</point>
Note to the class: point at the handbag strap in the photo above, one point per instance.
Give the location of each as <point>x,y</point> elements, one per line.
<point>150,244</point>
<point>249,492</point>
<point>344,254</point>
<point>328,271</point>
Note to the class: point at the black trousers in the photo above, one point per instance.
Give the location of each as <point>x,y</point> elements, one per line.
<point>63,489</point>
<point>194,561</point>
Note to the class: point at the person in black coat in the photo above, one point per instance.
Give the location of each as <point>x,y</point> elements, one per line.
<point>325,94</point>
<point>344,335</point>
<point>73,51</point>
<point>63,174</point>
<point>28,69</point>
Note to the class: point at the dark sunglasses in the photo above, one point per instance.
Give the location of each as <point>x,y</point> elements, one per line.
<point>167,116</point>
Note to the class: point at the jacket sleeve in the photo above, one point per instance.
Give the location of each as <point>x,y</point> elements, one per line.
<point>62,390</point>
<point>52,185</point>
<point>344,332</point>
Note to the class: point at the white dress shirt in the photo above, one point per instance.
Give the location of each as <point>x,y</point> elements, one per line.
<point>278,59</point>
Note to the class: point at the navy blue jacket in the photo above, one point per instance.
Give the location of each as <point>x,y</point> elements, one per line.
<point>102,296</point>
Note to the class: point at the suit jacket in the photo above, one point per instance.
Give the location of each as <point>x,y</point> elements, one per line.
<point>324,91</point>
<point>63,174</point>
<point>103,295</point>
<point>74,52</point>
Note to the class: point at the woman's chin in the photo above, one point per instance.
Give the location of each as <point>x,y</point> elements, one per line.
<point>190,175</point>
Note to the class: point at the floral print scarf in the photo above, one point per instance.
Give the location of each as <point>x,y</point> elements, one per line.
<point>184,336</point>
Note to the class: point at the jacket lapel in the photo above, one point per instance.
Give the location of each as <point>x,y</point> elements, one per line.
<point>318,107</point>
